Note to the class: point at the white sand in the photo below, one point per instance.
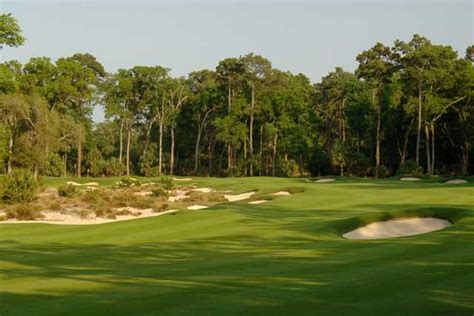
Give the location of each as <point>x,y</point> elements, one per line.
<point>88,184</point>
<point>282,193</point>
<point>326,180</point>
<point>178,195</point>
<point>182,179</point>
<point>57,218</point>
<point>398,228</point>
<point>203,190</point>
<point>142,193</point>
<point>238,197</point>
<point>197,207</point>
<point>147,184</point>
<point>410,179</point>
<point>456,181</point>
<point>258,202</point>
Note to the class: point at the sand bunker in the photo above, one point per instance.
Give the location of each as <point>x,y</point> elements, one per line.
<point>398,228</point>
<point>325,180</point>
<point>258,202</point>
<point>178,195</point>
<point>197,207</point>
<point>58,218</point>
<point>203,190</point>
<point>238,197</point>
<point>457,181</point>
<point>88,184</point>
<point>410,179</point>
<point>182,179</point>
<point>282,193</point>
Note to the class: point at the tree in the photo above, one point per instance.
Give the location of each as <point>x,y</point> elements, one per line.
<point>376,67</point>
<point>10,32</point>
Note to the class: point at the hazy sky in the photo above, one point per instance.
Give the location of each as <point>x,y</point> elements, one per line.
<point>311,37</point>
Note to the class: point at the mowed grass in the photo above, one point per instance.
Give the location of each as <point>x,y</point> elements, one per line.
<point>285,257</point>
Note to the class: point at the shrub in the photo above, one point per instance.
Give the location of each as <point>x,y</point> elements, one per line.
<point>20,186</point>
<point>23,211</point>
<point>384,172</point>
<point>127,182</point>
<point>161,207</point>
<point>410,168</point>
<point>206,197</point>
<point>159,192</point>
<point>167,182</point>
<point>68,190</point>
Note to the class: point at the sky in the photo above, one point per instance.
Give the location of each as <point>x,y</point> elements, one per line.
<point>302,36</point>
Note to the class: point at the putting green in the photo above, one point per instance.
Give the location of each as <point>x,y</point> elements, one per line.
<point>283,257</point>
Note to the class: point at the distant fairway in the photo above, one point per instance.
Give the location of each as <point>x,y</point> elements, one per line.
<point>283,257</point>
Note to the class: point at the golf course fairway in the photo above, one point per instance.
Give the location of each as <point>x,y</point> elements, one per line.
<point>283,257</point>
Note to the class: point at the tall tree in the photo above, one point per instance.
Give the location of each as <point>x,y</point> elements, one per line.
<point>376,66</point>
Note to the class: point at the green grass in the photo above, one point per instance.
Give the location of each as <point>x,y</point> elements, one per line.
<point>285,257</point>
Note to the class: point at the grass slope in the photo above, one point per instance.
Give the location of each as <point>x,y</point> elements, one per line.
<point>285,257</point>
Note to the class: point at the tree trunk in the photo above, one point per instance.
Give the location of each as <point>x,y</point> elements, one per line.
<point>260,154</point>
<point>432,148</point>
<point>251,131</point>
<point>405,144</point>
<point>418,135</point>
<point>172,150</point>
<point>274,153</point>
<point>65,165</point>
<point>229,104</point>
<point>121,142</point>
<point>196,149</point>
<point>10,154</point>
<point>129,132</point>
<point>79,159</point>
<point>428,157</point>
<point>160,145</point>
<point>379,123</point>
<point>300,165</point>
<point>465,158</point>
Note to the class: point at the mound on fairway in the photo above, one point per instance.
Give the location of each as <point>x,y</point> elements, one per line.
<point>325,180</point>
<point>282,193</point>
<point>410,179</point>
<point>456,181</point>
<point>258,202</point>
<point>238,197</point>
<point>398,228</point>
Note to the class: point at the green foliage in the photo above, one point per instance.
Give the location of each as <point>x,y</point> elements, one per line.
<point>19,186</point>
<point>167,182</point>
<point>384,171</point>
<point>159,192</point>
<point>410,168</point>
<point>68,190</point>
<point>10,31</point>
<point>127,182</point>
<point>23,212</point>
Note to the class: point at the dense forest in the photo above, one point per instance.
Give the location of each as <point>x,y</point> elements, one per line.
<point>408,106</point>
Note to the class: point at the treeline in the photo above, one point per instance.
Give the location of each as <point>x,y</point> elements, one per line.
<point>406,105</point>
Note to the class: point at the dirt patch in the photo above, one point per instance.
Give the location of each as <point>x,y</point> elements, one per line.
<point>325,180</point>
<point>182,179</point>
<point>410,179</point>
<point>398,228</point>
<point>58,218</point>
<point>282,193</point>
<point>203,190</point>
<point>258,202</point>
<point>238,197</point>
<point>197,207</point>
<point>457,181</point>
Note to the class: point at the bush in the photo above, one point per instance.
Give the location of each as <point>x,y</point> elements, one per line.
<point>159,192</point>
<point>410,168</point>
<point>20,186</point>
<point>23,211</point>
<point>68,190</point>
<point>167,182</point>
<point>127,182</point>
<point>384,172</point>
